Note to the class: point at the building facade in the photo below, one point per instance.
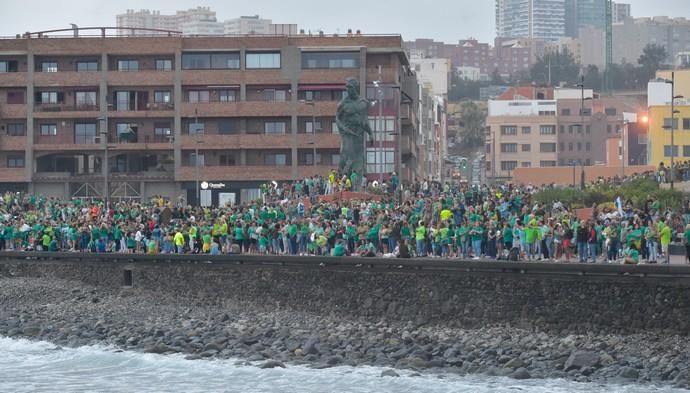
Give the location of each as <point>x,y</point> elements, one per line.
<point>198,20</point>
<point>659,144</point>
<point>631,36</point>
<point>621,12</point>
<point>162,115</point>
<point>538,19</point>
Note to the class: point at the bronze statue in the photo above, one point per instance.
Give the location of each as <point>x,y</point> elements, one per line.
<point>352,119</point>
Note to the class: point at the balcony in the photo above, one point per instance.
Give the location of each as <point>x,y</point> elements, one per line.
<point>13,111</point>
<point>61,111</point>
<point>243,141</point>
<point>141,78</point>
<point>67,78</point>
<point>233,77</point>
<point>97,176</point>
<point>8,142</point>
<point>13,175</point>
<point>13,79</point>
<point>330,76</point>
<point>153,109</point>
<point>249,173</point>
<point>321,140</point>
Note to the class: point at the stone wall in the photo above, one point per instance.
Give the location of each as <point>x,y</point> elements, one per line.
<point>561,298</point>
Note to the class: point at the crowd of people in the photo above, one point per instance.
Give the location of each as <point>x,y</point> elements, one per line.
<point>425,219</point>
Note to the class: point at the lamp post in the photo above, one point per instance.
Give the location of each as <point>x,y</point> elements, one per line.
<point>378,123</point>
<point>197,141</point>
<point>674,97</point>
<point>581,85</point>
<point>103,132</point>
<point>313,129</point>
<point>623,140</point>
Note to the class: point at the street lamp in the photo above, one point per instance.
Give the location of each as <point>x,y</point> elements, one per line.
<point>674,97</point>
<point>103,133</point>
<point>313,128</point>
<point>581,85</point>
<point>379,120</point>
<point>197,141</point>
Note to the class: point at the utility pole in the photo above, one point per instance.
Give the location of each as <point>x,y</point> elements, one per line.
<point>582,129</point>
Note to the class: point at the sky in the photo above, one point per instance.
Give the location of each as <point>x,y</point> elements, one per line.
<point>443,20</point>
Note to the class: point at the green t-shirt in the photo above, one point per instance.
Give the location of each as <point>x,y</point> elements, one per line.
<point>420,232</point>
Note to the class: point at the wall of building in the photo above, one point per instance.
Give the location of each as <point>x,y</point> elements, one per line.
<point>565,299</point>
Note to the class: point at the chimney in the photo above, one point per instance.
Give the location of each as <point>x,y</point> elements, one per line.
<point>359,32</point>
<point>349,32</point>
<point>301,31</point>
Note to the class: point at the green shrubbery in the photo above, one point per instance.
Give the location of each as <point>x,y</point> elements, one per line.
<point>637,191</point>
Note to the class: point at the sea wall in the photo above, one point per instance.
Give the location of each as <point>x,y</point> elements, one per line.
<point>560,298</point>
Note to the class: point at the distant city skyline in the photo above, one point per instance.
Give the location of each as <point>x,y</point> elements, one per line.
<point>447,21</point>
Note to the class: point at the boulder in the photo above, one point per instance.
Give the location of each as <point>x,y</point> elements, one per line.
<point>389,373</point>
<point>580,359</point>
<point>629,373</point>
<point>272,364</point>
<point>521,373</point>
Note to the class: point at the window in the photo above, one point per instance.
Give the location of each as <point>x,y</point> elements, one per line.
<point>508,130</point>
<point>667,151</point>
<point>571,128</point>
<point>275,159</point>
<point>565,112</point>
<point>163,64</point>
<point>547,113</point>
<point>330,60</point>
<point>198,96</point>
<point>274,95</point>
<point>87,66</point>
<point>667,123</point>
<point>48,129</point>
<point>547,130</point>
<point>579,146</point>
<point>16,129</point>
<point>196,128</point>
<point>85,133</point>
<point>263,60</point>
<point>509,147</point>
<point>526,148</point>
<point>8,66</point>
<point>49,66</point>
<point>309,159</point>
<point>686,124</point>
<point>586,112</point>
<point>312,95</point>
<point>227,160</point>
<point>588,128</point>
<point>526,164</point>
<point>122,101</point>
<point>383,128</point>
<point>162,132</point>
<point>49,97</point>
<point>128,65</point>
<point>641,139</point>
<point>547,164</point>
<point>15,160</point>
<point>561,129</point>
<point>227,95</point>
<point>570,146</point>
<point>380,160</point>
<point>309,127</point>
<point>686,151</point>
<point>85,99</point>
<point>508,165</point>
<point>334,127</point>
<point>196,160</point>
<point>610,111</point>
<point>588,146</point>
<point>205,61</point>
<point>161,97</point>
<point>229,126</point>
<point>547,147</point>
<point>526,130</point>
<point>274,127</point>
<point>15,97</point>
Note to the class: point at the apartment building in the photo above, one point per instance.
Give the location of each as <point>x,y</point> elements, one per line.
<point>163,115</point>
<point>660,145</point>
<point>522,133</point>
<point>633,34</point>
<point>200,20</point>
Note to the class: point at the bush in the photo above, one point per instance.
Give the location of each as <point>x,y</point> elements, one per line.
<point>637,191</point>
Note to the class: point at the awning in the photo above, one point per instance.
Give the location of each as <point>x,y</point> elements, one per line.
<point>322,87</point>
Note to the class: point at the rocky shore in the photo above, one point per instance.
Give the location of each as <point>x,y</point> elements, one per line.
<point>68,313</point>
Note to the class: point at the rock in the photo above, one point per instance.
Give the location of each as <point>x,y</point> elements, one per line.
<point>415,363</point>
<point>334,360</point>
<point>389,373</point>
<point>580,359</point>
<point>310,347</point>
<point>272,364</point>
<point>521,373</point>
<point>629,373</point>
<point>299,352</point>
<point>515,364</point>
<point>158,348</point>
<point>212,346</point>
<point>31,331</point>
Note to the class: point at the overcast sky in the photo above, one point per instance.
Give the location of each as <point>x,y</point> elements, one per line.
<point>444,20</point>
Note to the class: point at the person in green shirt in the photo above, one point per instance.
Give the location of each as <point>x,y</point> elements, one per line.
<point>632,257</point>
<point>45,241</point>
<point>665,240</point>
<point>476,233</point>
<point>420,237</point>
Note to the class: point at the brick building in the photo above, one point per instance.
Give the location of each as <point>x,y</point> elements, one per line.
<point>245,103</point>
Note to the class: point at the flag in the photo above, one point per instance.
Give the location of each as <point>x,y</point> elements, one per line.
<point>619,206</point>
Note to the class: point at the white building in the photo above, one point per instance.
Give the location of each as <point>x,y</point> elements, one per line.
<point>195,21</point>
<point>621,12</point>
<point>469,73</point>
<point>248,25</point>
<point>540,19</point>
<point>432,72</point>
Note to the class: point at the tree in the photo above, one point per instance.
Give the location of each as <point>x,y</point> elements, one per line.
<point>593,79</point>
<point>472,118</point>
<point>461,89</point>
<point>651,60</point>
<point>562,65</point>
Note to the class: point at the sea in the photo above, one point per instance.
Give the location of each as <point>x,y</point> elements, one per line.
<point>38,366</point>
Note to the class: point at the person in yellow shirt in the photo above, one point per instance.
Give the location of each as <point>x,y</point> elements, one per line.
<point>179,241</point>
